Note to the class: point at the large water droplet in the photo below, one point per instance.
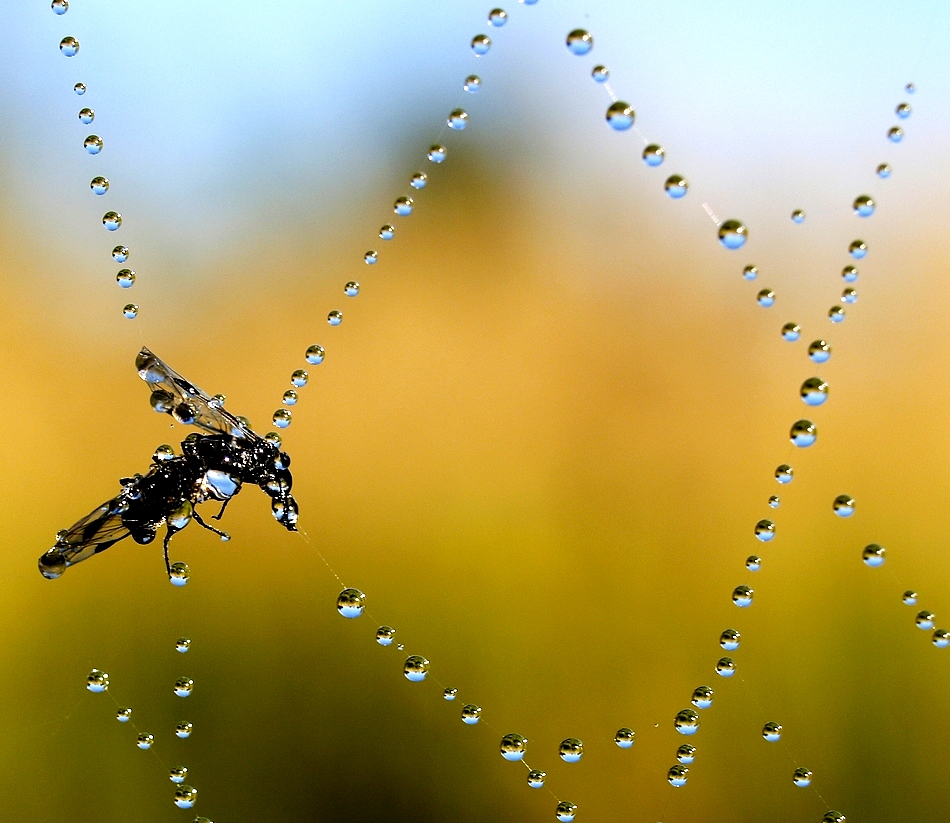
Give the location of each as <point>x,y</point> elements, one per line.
<point>69,46</point>
<point>112,220</point>
<point>843,505</point>
<point>742,596</point>
<point>387,232</point>
<point>803,433</point>
<point>733,234</point>
<point>765,298</point>
<point>864,205</point>
<point>86,116</point>
<point>814,391</point>
<point>99,185</point>
<point>437,153</point>
<point>498,17</point>
<point>677,775</point>
<point>849,274</point>
<point>177,774</point>
<point>93,144</point>
<point>726,667</point>
<point>514,746</point>
<point>802,777</point>
<point>765,530</point>
<point>130,311</point>
<point>941,638</point>
<point>620,115</point>
<point>184,686</point>
<point>873,555</point>
<point>80,89</point>
<point>315,355</point>
<point>299,378</point>
<point>59,6</point>
<point>925,619</point>
<point>351,602</point>
<point>97,681</point>
<point>819,351</point>
<point>471,714</point>
<point>858,249</point>
<point>772,732</point>
<point>185,796</point>
<point>676,186</point>
<point>145,741</point>
<point>791,332</point>
<point>184,729</point>
<point>415,668</point>
<point>481,43</point>
<point>624,738</point>
<point>536,778</point>
<point>403,206</point>
<point>565,811</point>
<point>570,750</point>
<point>334,318</point>
<point>579,42</point>
<point>653,155</point>
<point>457,119</point>
<point>729,640</point>
<point>686,721</point>
<point>120,254</point>
<point>125,278</point>
<point>289,398</point>
<point>702,697</point>
<point>784,474</point>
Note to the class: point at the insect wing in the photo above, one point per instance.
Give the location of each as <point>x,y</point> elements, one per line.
<point>98,530</point>
<point>184,401</point>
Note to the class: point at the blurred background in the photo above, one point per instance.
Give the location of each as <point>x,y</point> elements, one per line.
<point>541,437</point>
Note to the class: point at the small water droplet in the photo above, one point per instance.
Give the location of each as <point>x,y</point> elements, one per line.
<point>753,562</point>
<point>97,681</point>
<point>415,668</point>
<point>315,355</point>
<point>120,254</point>
<point>742,596</point>
<point>686,722</point>
<point>472,83</point>
<point>883,171</point>
<point>702,697</point>
<point>570,750</point>
<point>910,88</point>
<point>130,311</point>
<point>849,274</point>
<point>351,602</point>
<point>274,439</point>
<point>370,258</point>
<point>182,645</point>
<point>334,318</point>
<point>676,186</point>
<point>185,796</point>
<point>384,635</point>
<point>93,144</point>
<point>864,205</point>
<point>909,598</point>
<point>403,206</point>
<point>726,667</point>
<point>123,715</point>
<point>765,530</point>
<point>814,391</point>
<point>772,732</point>
<point>457,119</point>
<point>125,278</point>
<point>481,43</point>
<point>387,232</point>
<point>536,778</point>
<point>791,332</point>
<point>184,729</point>
<point>895,134</point>
<point>798,216</point>
<point>145,741</point>
<point>733,234</point>
<point>843,505</point>
<point>579,42</point>
<point>677,775</point>
<point>849,296</point>
<point>69,46</point>
<point>803,433</point>
<point>437,153</point>
<point>86,116</point>
<point>625,737</point>
<point>941,638</point>
<point>819,351</point>
<point>80,89</point>
<point>729,640</point>
<point>289,398</point>
<point>565,811</point>
<point>59,6</point>
<point>832,816</point>
<point>802,777</point>
<point>184,686</point>
<point>784,474</point>
<point>600,74</point>
<point>620,116</point>
<point>471,714</point>
<point>112,220</point>
<point>99,185</point>
<point>836,314</point>
<point>765,298</point>
<point>750,272</point>
<point>177,774</point>
<point>299,378</point>
<point>418,180</point>
<point>351,289</point>
<point>654,155</point>
<point>450,694</point>
<point>498,17</point>
<point>514,747</point>
<point>925,619</point>
<point>858,249</point>
<point>873,555</point>
<point>686,754</point>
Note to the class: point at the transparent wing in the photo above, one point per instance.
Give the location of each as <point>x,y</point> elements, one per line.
<point>184,401</point>
<point>98,530</point>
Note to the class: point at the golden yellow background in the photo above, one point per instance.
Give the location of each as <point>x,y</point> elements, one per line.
<point>541,437</point>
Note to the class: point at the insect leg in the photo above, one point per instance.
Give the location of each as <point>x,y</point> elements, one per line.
<point>220,514</point>
<point>168,536</point>
<point>200,522</point>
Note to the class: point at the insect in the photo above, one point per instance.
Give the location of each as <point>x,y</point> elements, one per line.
<point>211,467</point>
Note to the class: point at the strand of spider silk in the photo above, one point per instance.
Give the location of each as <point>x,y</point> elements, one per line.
<point>312,545</point>
<point>437,154</point>
<point>138,731</point>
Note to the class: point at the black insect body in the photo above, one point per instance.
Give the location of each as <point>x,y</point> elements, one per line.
<point>211,467</point>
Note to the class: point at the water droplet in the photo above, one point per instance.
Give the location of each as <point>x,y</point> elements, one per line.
<point>676,186</point>
<point>843,505</point>
<point>481,43</point>
<point>370,258</point>
<point>514,746</point>
<point>334,318</point>
<point>836,314</point>
<point>620,115</point>
<point>873,555</point>
<point>180,574</point>
<point>536,778</point>
<point>702,697</point>
<point>686,722</point>
<point>93,144</point>
<point>624,737</point>
<point>80,89</point>
<point>289,398</point>
<point>791,332</point>
<point>437,153</point>
<point>112,220</point>
<point>654,155</point>
<point>772,732</point>
<point>384,635</point>
<point>472,83</point>
<point>742,596</point>
<point>798,216</point>
<point>450,694</point>
<point>729,640</point>
<point>849,296</point>
<point>819,351</point>
<point>909,598</point>
<point>941,638</point>
<point>69,46</point>
<point>726,667</point>
<point>849,274</point>
<point>677,775</point>
<point>814,391</point>
<point>125,278</point>
<point>182,644</point>
<point>185,796</point>
<point>120,254</point>
<point>130,311</point>
<point>571,750</point>
<point>765,298</point>
<point>753,562</point>
<point>579,42</point>
<point>123,715</point>
<point>802,777</point>
<point>387,232</point>
<point>144,741</point>
<point>184,686</point>
<point>274,439</point>
<point>910,88</point>
<point>498,17</point>
<point>97,681</point>
<point>733,234</point>
<point>784,474</point>
<point>415,668</point>
<point>60,6</point>
<point>457,119</point>
<point>351,602</point>
<point>858,249</point>
<point>299,378</point>
<point>765,530</point>
<point>86,116</point>
<point>315,355</point>
<point>99,185</point>
<point>864,205</point>
<point>925,619</point>
<point>832,816</point>
<point>600,74</point>
<point>471,714</point>
<point>177,774</point>
<point>895,134</point>
<point>750,272</point>
<point>883,171</point>
<point>184,729</point>
<point>803,433</point>
<point>565,811</point>
<point>418,180</point>
<point>686,754</point>
<point>403,206</point>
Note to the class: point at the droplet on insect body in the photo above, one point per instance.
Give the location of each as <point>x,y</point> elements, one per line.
<point>415,668</point>
<point>571,750</point>
<point>351,602</point>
